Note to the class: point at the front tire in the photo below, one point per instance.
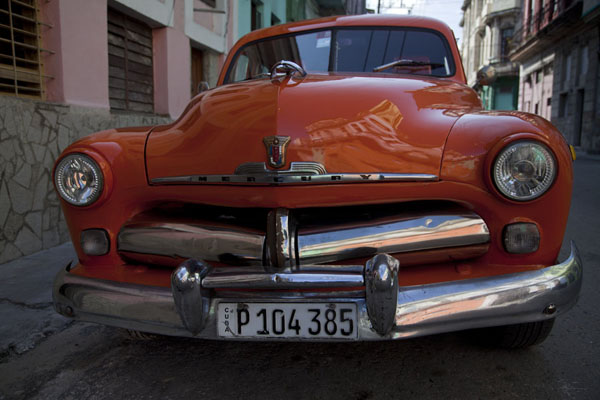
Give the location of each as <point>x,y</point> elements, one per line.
<point>518,336</point>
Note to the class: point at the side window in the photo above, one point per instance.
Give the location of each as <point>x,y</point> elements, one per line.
<point>240,70</point>
<point>310,50</point>
<point>249,65</point>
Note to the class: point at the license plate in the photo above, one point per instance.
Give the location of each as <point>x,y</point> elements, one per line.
<point>287,320</point>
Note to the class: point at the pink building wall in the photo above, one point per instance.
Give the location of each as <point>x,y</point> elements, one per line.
<point>532,91</point>
<point>546,109</point>
<point>206,19</point>
<point>526,96</point>
<point>79,41</point>
<point>537,93</point>
<point>172,73</point>
<point>79,65</point>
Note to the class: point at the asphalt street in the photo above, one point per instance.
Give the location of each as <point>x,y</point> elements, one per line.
<point>45,356</point>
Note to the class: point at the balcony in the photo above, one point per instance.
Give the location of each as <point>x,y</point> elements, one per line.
<point>504,67</point>
<point>500,6</point>
<point>551,12</point>
<point>543,28</point>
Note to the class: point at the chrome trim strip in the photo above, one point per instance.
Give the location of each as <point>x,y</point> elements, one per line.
<point>390,235</point>
<point>291,295</point>
<point>282,280</point>
<point>202,240</point>
<point>293,178</point>
<point>309,269</point>
<point>300,172</point>
<point>296,167</point>
<point>422,310</point>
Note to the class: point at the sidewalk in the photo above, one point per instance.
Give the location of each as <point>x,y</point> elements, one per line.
<point>582,155</point>
<point>26,308</point>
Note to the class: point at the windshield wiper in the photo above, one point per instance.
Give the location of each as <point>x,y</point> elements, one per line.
<point>406,63</point>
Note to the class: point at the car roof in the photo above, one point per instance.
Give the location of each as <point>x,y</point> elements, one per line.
<point>348,20</point>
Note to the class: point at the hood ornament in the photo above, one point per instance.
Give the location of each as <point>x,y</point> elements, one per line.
<point>284,68</point>
<point>276,149</point>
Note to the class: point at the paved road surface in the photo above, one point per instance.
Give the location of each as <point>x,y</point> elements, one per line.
<point>44,356</point>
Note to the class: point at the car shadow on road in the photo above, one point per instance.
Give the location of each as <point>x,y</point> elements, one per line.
<point>440,366</point>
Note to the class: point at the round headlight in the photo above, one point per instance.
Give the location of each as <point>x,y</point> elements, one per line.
<point>79,179</point>
<point>524,170</point>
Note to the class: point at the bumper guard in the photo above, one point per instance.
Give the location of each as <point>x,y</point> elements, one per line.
<point>385,310</point>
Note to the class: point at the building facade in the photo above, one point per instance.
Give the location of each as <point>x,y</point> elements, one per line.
<point>558,46</point>
<point>488,28</point>
<point>577,81</point>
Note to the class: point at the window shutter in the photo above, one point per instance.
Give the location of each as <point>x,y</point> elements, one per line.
<point>130,76</point>
<point>20,65</point>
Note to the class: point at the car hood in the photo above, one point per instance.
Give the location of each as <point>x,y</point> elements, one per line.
<point>349,124</point>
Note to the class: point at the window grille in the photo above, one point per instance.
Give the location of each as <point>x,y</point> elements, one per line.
<point>20,62</point>
<point>130,75</point>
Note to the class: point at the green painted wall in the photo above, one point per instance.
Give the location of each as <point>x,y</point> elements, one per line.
<point>502,95</point>
<point>268,9</point>
<point>244,18</point>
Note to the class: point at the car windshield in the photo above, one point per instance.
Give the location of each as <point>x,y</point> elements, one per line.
<point>406,50</point>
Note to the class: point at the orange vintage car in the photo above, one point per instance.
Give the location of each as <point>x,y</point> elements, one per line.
<point>341,182</point>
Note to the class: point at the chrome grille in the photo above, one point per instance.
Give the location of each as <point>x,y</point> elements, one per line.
<point>282,238</point>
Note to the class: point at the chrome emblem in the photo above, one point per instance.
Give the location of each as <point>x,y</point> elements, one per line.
<point>276,148</point>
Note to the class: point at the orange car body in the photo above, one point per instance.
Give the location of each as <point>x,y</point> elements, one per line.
<point>351,123</point>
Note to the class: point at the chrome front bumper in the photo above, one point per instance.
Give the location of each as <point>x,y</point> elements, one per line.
<point>385,311</point>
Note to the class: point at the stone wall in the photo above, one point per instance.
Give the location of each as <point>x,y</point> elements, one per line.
<point>32,135</point>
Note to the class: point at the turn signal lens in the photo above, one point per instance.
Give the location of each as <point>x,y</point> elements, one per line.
<point>521,238</point>
<point>79,179</point>
<point>524,170</point>
<point>94,242</point>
